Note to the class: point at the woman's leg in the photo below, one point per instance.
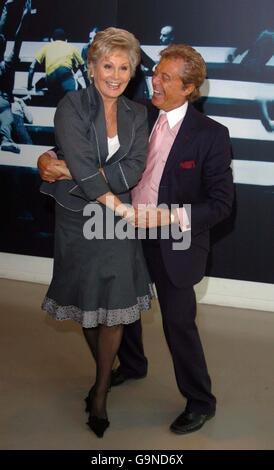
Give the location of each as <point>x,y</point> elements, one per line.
<point>91,335</point>
<point>108,343</point>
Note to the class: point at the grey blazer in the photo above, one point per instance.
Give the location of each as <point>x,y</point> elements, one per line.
<point>81,137</point>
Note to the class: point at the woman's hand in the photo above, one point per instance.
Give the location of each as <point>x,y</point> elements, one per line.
<point>102,172</point>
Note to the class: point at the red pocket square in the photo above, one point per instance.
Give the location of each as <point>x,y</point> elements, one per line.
<point>188,164</point>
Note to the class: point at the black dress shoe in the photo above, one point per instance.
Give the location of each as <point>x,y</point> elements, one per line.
<point>98,425</point>
<point>117,377</point>
<point>189,422</point>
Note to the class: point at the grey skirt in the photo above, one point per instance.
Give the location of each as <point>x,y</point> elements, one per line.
<point>98,281</point>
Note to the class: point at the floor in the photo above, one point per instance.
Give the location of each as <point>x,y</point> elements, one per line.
<point>46,371</point>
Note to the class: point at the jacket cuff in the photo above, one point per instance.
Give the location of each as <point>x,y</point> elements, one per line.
<point>91,188</point>
<point>116,178</point>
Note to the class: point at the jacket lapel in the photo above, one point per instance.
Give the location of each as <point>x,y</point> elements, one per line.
<point>97,121</point>
<point>185,135</point>
<point>153,114</point>
<point>125,126</point>
<point>94,117</point>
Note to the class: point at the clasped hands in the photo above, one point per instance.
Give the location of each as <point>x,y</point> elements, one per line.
<point>144,216</point>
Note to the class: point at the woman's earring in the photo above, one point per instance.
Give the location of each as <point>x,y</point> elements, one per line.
<point>91,78</point>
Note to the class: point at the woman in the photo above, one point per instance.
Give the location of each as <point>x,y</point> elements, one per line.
<point>102,136</point>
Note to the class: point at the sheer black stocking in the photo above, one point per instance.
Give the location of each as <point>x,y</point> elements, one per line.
<point>108,343</point>
<point>91,335</point>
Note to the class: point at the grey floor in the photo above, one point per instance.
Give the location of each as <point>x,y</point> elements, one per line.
<point>46,371</point>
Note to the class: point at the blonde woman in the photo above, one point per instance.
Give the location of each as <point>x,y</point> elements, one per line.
<point>102,136</point>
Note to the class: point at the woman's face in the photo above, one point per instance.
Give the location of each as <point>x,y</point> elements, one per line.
<point>111,74</point>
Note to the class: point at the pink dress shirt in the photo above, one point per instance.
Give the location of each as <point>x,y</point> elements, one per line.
<point>146,191</point>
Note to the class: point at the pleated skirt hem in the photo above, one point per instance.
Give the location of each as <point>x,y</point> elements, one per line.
<point>100,316</point>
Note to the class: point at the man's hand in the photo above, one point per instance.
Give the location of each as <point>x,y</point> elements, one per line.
<point>52,170</point>
<point>127,212</point>
<point>149,217</point>
<point>130,215</point>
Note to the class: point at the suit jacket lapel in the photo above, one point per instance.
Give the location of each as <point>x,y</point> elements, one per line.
<point>185,135</point>
<point>153,114</point>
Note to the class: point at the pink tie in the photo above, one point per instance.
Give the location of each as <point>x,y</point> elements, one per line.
<point>155,143</point>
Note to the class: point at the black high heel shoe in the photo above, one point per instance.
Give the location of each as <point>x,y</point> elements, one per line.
<point>98,425</point>
<point>88,400</point>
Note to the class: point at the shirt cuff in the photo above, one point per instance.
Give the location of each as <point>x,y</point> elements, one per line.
<point>183,219</point>
<point>52,154</point>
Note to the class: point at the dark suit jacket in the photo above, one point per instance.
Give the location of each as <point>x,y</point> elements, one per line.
<point>81,138</point>
<point>197,172</point>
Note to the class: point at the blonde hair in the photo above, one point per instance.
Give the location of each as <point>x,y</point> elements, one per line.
<point>112,39</point>
<point>194,69</point>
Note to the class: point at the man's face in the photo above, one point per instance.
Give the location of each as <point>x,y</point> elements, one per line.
<point>166,35</point>
<point>168,90</point>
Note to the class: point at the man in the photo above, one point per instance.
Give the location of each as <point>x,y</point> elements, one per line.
<point>21,115</point>
<point>60,60</point>
<point>167,35</point>
<point>254,65</point>
<point>8,65</point>
<point>192,165</point>
<point>139,88</point>
<point>91,36</point>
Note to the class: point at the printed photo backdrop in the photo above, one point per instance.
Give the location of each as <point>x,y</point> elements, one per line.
<point>236,39</point>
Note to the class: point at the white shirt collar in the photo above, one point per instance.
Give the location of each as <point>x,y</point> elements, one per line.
<point>175,115</point>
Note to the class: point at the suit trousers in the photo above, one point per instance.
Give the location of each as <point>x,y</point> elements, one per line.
<point>178,309</point>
